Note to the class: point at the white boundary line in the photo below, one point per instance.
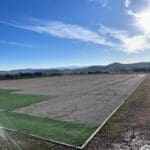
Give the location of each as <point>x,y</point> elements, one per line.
<point>91,137</point>
<point>100,127</point>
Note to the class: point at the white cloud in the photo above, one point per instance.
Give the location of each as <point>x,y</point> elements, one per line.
<point>128,3</point>
<point>142,20</point>
<point>112,38</point>
<point>127,43</point>
<point>103,3</point>
<point>140,42</point>
<point>14,43</point>
<point>113,32</point>
<point>136,43</point>
<point>130,12</point>
<point>62,30</point>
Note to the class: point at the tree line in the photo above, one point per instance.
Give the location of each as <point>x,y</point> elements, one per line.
<point>27,75</point>
<point>10,76</point>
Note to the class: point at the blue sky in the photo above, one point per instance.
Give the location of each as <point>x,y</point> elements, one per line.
<point>56,33</point>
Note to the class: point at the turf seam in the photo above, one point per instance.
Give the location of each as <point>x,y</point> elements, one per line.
<point>29,104</point>
<point>10,111</point>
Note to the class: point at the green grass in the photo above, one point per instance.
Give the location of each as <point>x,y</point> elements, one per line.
<point>62,131</point>
<point>10,100</point>
<point>67,132</point>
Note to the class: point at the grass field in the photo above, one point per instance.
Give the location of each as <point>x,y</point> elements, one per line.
<point>67,132</point>
<point>10,100</point>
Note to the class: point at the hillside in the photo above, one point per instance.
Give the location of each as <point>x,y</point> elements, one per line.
<point>114,67</point>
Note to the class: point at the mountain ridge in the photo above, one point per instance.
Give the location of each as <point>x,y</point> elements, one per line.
<point>93,68</point>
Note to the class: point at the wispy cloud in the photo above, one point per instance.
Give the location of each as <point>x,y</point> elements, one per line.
<point>141,19</point>
<point>140,42</point>
<point>128,3</point>
<point>62,30</point>
<point>103,3</point>
<point>130,12</point>
<point>125,42</point>
<point>112,38</point>
<point>15,43</point>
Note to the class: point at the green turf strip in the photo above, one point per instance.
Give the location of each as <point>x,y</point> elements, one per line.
<point>62,131</point>
<point>67,132</point>
<point>10,100</point>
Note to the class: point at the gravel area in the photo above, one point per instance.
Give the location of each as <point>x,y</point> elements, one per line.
<point>87,99</point>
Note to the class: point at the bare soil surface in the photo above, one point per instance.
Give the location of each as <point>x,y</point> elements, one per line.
<point>85,99</point>
<point>127,129</point>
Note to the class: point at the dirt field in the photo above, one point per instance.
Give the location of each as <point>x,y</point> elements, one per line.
<point>86,99</point>
<point>129,128</point>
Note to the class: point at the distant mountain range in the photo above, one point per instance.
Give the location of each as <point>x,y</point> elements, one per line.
<point>114,67</point>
